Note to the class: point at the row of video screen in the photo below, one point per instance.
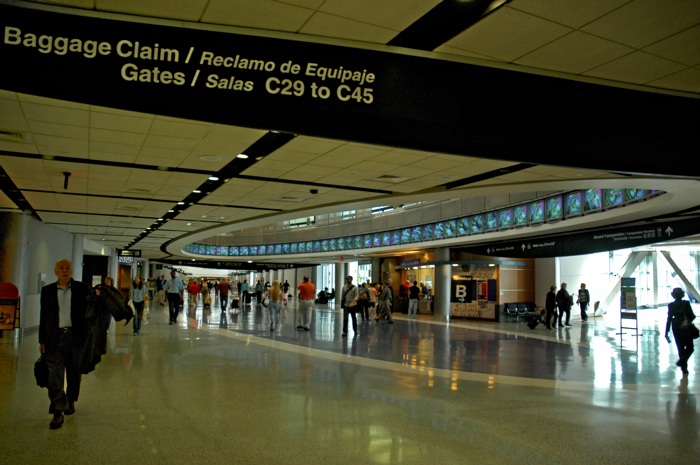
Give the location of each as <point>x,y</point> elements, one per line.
<point>549,210</point>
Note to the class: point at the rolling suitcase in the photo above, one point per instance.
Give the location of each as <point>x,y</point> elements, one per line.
<point>532,324</point>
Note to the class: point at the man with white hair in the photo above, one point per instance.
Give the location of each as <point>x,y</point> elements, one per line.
<point>62,332</point>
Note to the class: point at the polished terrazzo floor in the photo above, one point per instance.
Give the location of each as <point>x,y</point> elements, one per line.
<point>229,390</point>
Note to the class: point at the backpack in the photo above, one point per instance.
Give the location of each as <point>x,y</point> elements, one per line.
<point>363,293</point>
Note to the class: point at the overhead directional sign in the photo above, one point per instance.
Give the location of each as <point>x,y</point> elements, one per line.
<point>391,98</point>
<point>592,241</point>
<point>237,265</point>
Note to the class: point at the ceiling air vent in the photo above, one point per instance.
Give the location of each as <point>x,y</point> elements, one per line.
<point>12,136</point>
<point>390,178</point>
<point>285,198</point>
<point>128,208</point>
<point>135,190</point>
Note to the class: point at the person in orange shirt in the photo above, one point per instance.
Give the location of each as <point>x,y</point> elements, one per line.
<point>307,291</point>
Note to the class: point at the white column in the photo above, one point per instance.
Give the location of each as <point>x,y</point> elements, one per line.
<point>77,258</point>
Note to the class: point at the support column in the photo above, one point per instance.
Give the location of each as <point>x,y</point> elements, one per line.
<point>77,259</point>
<point>376,270</point>
<point>340,272</point>
<point>441,286</point>
<point>655,276</point>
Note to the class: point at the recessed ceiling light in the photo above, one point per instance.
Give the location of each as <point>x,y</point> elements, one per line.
<point>196,191</point>
<point>181,203</point>
<point>189,224</point>
<point>171,211</point>
<point>213,178</point>
<point>259,158</point>
<point>242,155</point>
<point>204,216</point>
<point>250,261</point>
<point>160,219</point>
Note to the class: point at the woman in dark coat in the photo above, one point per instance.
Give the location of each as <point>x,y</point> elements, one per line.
<point>678,311</point>
<point>551,307</point>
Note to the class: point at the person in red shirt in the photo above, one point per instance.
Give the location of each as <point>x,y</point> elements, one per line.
<point>307,291</point>
<point>223,288</point>
<point>193,290</point>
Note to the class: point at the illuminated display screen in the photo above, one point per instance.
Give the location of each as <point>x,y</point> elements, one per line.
<point>325,247</point>
<point>463,226</point>
<point>520,215</point>
<point>396,237</point>
<point>377,242</point>
<point>285,248</point>
<point>439,231</point>
<point>386,238</point>
<point>302,247</point>
<point>476,224</point>
<point>416,234</point>
<point>333,245</point>
<point>367,241</point>
<point>253,250</point>
<point>633,194</point>
<point>406,236</point>
<point>573,206</point>
<point>233,251</point>
<point>278,249</point>
<point>294,248</point>
<point>357,242</point>
<point>490,221</point>
<point>553,208</point>
<point>505,219</point>
<point>536,212</point>
<point>613,197</point>
<point>202,249</point>
<point>243,250</point>
<point>222,250</point>
<point>309,246</point>
<point>317,246</point>
<point>428,230</point>
<point>450,228</point>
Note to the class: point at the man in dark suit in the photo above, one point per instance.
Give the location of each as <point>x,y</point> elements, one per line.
<point>62,332</point>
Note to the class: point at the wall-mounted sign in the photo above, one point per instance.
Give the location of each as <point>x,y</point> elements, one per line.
<point>125,260</point>
<point>237,265</point>
<point>412,262</point>
<point>128,253</point>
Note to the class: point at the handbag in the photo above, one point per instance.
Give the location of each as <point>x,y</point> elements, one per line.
<point>690,329</point>
<point>41,372</point>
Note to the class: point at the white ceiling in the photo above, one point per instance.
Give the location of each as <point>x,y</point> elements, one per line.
<point>651,43</point>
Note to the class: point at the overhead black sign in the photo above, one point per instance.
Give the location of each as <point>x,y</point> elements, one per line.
<point>237,265</point>
<point>586,242</point>
<point>344,93</point>
<point>128,253</point>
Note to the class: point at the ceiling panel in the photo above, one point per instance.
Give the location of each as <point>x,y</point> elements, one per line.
<point>574,53</point>
<point>637,67</point>
<point>185,10</point>
<point>508,34</point>
<point>325,25</point>
<point>687,80</point>
<point>11,116</point>
<point>261,14</point>
<point>683,47</point>
<point>572,13</point>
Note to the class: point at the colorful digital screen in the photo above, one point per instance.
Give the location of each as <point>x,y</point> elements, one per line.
<point>476,224</point>
<point>285,248</point>
<point>592,200</point>
<point>358,242</point>
<point>613,197</point>
<point>396,237</point>
<point>463,226</point>
<point>302,247</point>
<point>262,250</point>
<point>490,221</point>
<point>367,241</point>
<point>348,243</point>
<point>253,250</point>
<point>633,194</point>
<point>536,212</point>
<point>325,247</point>
<point>294,248</point>
<point>333,245</point>
<point>520,215</point>
<point>505,218</point>
<point>202,249</point>
<point>377,241</point>
<point>416,234</point>
<point>439,231</point>
<point>317,246</point>
<point>270,249</point>
<point>406,236</point>
<point>243,250</point>
<point>233,251</point>
<point>340,243</point>
<point>222,250</point>
<point>573,206</point>
<point>278,249</point>
<point>211,250</point>
<point>309,246</point>
<point>386,238</point>
<point>553,209</point>
<point>428,231</point>
<point>450,228</point>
